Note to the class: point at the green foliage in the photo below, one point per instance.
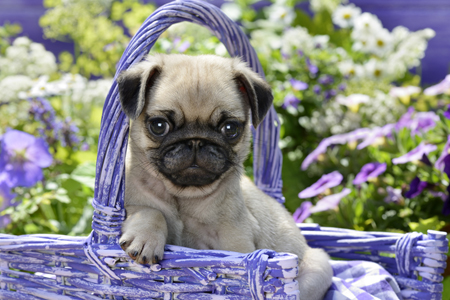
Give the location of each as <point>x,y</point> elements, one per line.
<point>7,31</point>
<point>92,26</point>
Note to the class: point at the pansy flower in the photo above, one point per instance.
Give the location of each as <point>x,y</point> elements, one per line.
<point>327,181</point>
<point>5,199</point>
<point>22,157</point>
<point>369,171</point>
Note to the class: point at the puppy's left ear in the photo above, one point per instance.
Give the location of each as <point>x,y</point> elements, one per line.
<point>255,90</point>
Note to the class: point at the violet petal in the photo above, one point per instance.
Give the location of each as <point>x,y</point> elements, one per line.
<point>330,202</point>
<point>368,171</point>
<point>325,182</point>
<point>303,212</point>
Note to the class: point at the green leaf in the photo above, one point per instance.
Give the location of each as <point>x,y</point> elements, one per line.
<point>432,223</point>
<point>446,292</point>
<point>85,174</point>
<point>84,221</point>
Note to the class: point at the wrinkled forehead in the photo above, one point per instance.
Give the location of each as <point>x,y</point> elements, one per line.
<point>198,92</point>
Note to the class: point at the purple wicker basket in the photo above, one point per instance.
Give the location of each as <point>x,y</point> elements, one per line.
<point>95,267</point>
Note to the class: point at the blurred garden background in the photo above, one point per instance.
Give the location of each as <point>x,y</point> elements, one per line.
<point>361,88</point>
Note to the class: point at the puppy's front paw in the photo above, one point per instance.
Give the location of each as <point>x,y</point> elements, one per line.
<point>144,235</point>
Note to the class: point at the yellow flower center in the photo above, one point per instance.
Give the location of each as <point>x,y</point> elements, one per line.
<point>377,73</point>
<point>380,43</point>
<point>347,16</point>
<point>19,155</point>
<point>379,141</point>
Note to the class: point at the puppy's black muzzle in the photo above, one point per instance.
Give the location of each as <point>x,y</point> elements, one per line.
<point>193,162</point>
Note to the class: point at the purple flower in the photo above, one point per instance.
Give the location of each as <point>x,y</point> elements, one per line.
<point>184,46</point>
<point>440,88</point>
<point>317,89</point>
<point>415,154</point>
<point>393,196</point>
<point>333,140</point>
<point>5,199</point>
<point>342,87</point>
<point>298,85</point>
<point>68,133</point>
<point>290,100</point>
<point>446,207</point>
<point>22,158</point>
<point>439,164</point>
<point>325,182</point>
<point>416,187</point>
<point>302,212</point>
<point>329,93</point>
<point>447,112</point>
<point>330,202</point>
<point>419,122</point>
<point>375,134</point>
<point>285,55</point>
<point>368,171</point>
<point>326,79</point>
<point>85,147</point>
<point>313,69</point>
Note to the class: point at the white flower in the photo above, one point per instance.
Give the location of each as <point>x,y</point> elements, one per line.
<point>232,10</point>
<point>279,12</point>
<point>320,41</point>
<point>327,5</point>
<point>22,42</point>
<point>411,48</point>
<point>364,43</point>
<point>347,68</point>
<point>399,33</point>
<point>344,16</point>
<point>376,69</point>
<point>382,43</point>
<point>27,58</point>
<point>365,24</point>
<point>403,91</point>
<point>297,38</point>
<point>353,101</point>
<point>11,86</point>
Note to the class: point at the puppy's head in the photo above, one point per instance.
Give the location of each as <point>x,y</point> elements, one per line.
<point>190,118</point>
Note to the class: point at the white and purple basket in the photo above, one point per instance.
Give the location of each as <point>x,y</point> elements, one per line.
<point>64,267</point>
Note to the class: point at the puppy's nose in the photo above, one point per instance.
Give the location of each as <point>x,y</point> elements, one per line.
<point>196,144</point>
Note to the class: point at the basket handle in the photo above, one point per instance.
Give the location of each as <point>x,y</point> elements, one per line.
<point>109,182</point>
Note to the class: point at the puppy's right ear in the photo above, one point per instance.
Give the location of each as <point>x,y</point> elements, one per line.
<point>134,86</point>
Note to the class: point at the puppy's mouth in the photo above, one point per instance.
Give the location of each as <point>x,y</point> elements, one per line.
<point>193,163</point>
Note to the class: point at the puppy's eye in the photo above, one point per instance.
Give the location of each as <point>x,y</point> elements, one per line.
<point>159,127</point>
<point>231,130</point>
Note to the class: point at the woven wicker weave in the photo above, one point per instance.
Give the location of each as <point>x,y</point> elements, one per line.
<point>94,267</point>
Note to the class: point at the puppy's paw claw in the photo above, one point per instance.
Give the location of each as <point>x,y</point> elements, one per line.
<point>155,259</point>
<point>123,245</point>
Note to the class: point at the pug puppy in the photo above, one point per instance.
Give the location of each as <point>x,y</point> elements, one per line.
<point>184,185</point>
